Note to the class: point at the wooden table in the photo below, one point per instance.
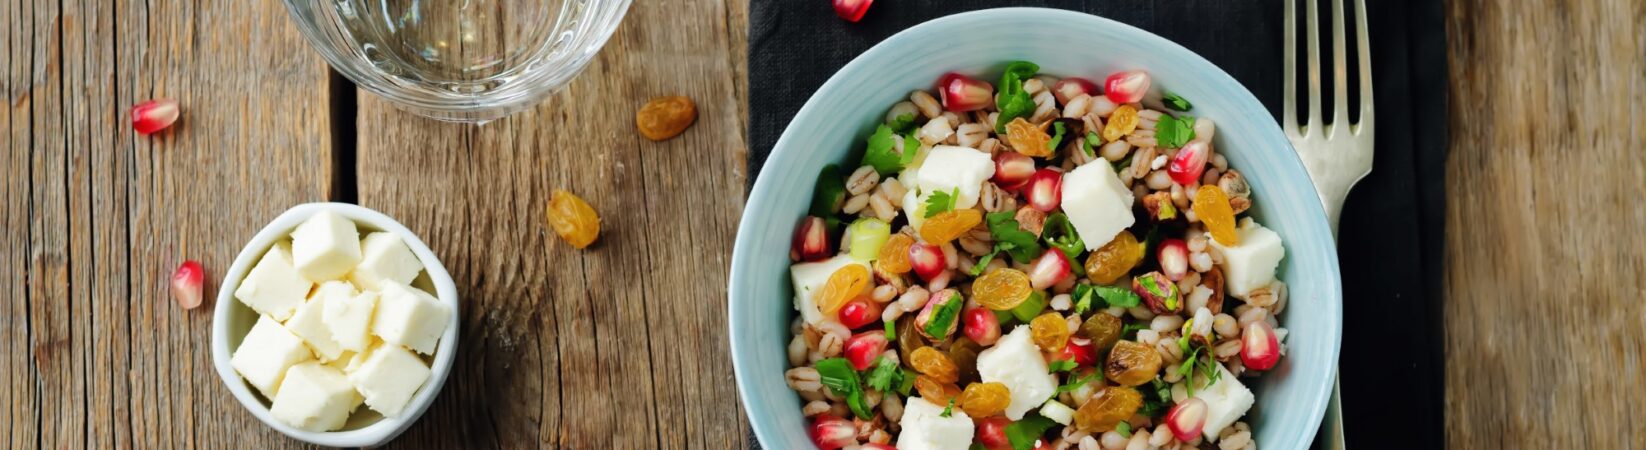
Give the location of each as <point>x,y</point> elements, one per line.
<point>622,345</point>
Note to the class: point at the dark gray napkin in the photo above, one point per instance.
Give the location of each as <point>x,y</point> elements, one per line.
<point>1392,231</point>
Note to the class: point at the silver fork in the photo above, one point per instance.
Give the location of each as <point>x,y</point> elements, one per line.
<point>1336,155</point>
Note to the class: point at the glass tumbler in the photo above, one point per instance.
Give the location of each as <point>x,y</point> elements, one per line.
<point>459,60</point>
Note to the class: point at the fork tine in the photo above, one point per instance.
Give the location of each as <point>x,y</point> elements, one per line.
<point>1365,51</point>
<point>1288,120</point>
<point>1311,29</point>
<point>1340,71</point>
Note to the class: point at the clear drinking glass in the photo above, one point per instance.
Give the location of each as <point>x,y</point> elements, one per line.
<point>459,60</point>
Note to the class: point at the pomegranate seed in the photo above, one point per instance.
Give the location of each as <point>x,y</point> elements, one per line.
<point>863,348</point>
<point>938,300</point>
<point>1045,190</point>
<point>1189,163</point>
<point>859,312</point>
<point>1012,170</point>
<point>982,326</point>
<point>830,432</point>
<point>1187,419</point>
<point>1068,88</point>
<point>1049,269</point>
<point>991,433</point>
<point>852,10</point>
<point>1174,259</point>
<point>811,240</point>
<point>1259,349</point>
<point>186,284</point>
<point>928,260</point>
<point>153,115</point>
<point>1126,87</point>
<point>961,93</point>
<point>1081,351</point>
<point>873,446</point>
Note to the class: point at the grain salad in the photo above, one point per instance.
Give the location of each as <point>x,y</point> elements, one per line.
<point>1038,263</point>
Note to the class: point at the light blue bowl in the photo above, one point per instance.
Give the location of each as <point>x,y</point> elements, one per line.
<point>1291,398</point>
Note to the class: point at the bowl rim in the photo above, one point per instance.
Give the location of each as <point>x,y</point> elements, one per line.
<point>758,204</point>
<point>386,428</point>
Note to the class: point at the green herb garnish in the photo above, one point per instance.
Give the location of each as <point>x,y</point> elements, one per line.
<point>1076,383</point>
<point>841,378</point>
<point>1013,102</point>
<point>1083,295</point>
<point>1176,102</point>
<point>1057,137</point>
<point>977,269</point>
<point>1010,237</point>
<point>1023,433</point>
<point>1060,234</point>
<point>1173,133</point>
<point>1118,296</point>
<point>902,122</point>
<point>943,319</point>
<point>948,410</point>
<point>1154,405</point>
<point>883,155</point>
<point>1129,331</point>
<point>941,202</point>
<point>1091,136</point>
<point>885,375</point>
<point>1125,429</point>
<point>1064,365</point>
<point>891,331</point>
<point>830,193</point>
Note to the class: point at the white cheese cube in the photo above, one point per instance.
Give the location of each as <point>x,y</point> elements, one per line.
<point>315,397</point>
<point>1057,411</point>
<point>265,354</point>
<point>1251,264</point>
<point>307,322</point>
<point>809,277</point>
<point>388,377</point>
<point>949,169</point>
<point>349,320</point>
<point>1226,401</point>
<point>1097,203</point>
<point>925,428</point>
<point>273,287</point>
<point>384,256</point>
<point>342,362</point>
<point>325,247</point>
<point>408,316</point>
<point>1016,362</point>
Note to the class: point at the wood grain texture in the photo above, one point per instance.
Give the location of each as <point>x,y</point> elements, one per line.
<point>1545,330</point>
<point>621,345</point>
<point>93,353</point>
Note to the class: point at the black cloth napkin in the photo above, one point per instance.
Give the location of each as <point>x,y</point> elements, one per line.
<point>1392,231</point>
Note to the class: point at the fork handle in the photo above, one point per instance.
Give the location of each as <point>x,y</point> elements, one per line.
<point>1330,436</point>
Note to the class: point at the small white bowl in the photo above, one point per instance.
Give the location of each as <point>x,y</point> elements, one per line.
<point>232,319</point>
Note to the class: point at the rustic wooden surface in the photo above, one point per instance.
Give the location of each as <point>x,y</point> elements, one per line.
<point>1545,328</point>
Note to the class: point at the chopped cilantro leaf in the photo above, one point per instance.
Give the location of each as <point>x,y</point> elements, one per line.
<point>885,375</point>
<point>977,269</point>
<point>1129,331</point>
<point>1117,296</point>
<point>1083,295</point>
<point>1174,132</point>
<point>902,122</point>
<point>944,318</point>
<point>941,202</point>
<point>841,378</point>
<point>907,383</point>
<point>1176,102</point>
<point>1075,383</point>
<point>1091,137</point>
<point>883,155</point>
<point>1154,405</point>
<point>1022,245</point>
<point>1023,433</point>
<point>1057,137</point>
<point>948,410</point>
<point>1064,365</point>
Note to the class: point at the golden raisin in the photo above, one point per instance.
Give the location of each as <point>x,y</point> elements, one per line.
<point>964,354</point>
<point>843,285</point>
<point>1107,408</point>
<point>981,400</point>
<point>949,225</point>
<point>908,336</point>
<point>1122,122</point>
<point>1212,207</point>
<point>1103,329</point>
<point>1132,364</point>
<point>937,392</point>
<point>1002,289</point>
<point>573,219</point>
<point>935,364</point>
<point>894,255</point>
<point>1050,331</point>
<point>1114,259</point>
<point>1029,139</point>
<point>665,117</point>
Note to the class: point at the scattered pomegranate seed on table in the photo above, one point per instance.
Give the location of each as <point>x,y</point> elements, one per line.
<point>852,10</point>
<point>154,115</point>
<point>186,284</point>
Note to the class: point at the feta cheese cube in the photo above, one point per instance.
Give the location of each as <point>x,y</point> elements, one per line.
<point>924,427</point>
<point>273,287</point>
<point>325,247</point>
<point>1251,264</point>
<point>408,316</point>
<point>1226,402</point>
<point>265,354</point>
<point>388,377</point>
<point>1097,203</point>
<point>384,256</point>
<point>307,322</point>
<point>349,320</point>
<point>809,277</point>
<point>950,168</point>
<point>1016,362</point>
<point>315,397</point>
